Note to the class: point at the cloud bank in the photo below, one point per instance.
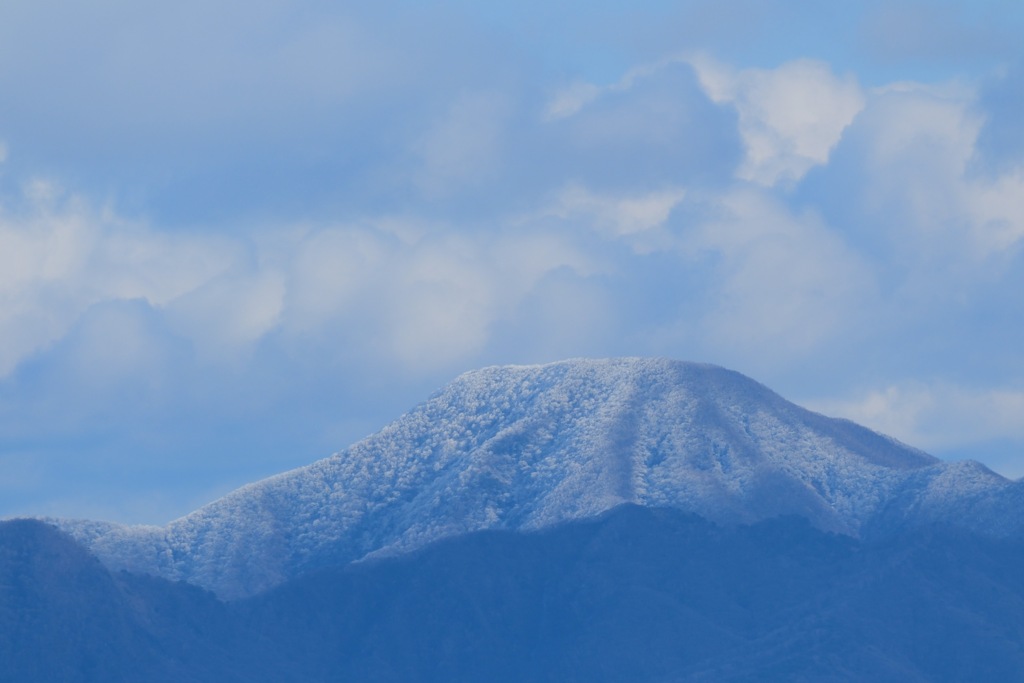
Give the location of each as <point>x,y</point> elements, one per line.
<point>224,253</point>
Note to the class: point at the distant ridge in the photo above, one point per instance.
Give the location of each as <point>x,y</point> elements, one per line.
<point>636,594</point>
<point>527,447</point>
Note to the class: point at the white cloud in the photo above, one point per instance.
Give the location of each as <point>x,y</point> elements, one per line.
<point>463,148</point>
<point>524,255</point>
<point>784,283</point>
<point>570,100</point>
<point>61,257</point>
<point>567,317</point>
<point>790,117</point>
<point>935,415</point>
<point>633,217</point>
<point>400,290</point>
<point>997,211</point>
<point>441,303</point>
<point>425,299</point>
<point>329,274</point>
<point>916,141</point>
<point>114,344</point>
<point>919,143</point>
<point>433,293</point>
<point>229,312</point>
<point>652,220</point>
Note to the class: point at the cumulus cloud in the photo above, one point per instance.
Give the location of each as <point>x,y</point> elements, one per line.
<point>230,312</point>
<point>790,117</point>
<point>906,168</point>
<point>640,218</point>
<point>60,256</point>
<point>783,283</point>
<point>427,300</point>
<point>996,208</point>
<point>463,148</point>
<point>421,294</point>
<point>652,129</point>
<point>441,304</point>
<point>330,274</point>
<point>370,210</point>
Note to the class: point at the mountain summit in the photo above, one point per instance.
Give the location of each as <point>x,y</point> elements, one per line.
<point>527,447</point>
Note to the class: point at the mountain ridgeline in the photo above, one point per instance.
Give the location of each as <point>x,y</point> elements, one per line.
<point>524,448</point>
<point>591,520</point>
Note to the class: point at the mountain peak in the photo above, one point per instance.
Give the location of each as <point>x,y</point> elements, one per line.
<point>526,447</point>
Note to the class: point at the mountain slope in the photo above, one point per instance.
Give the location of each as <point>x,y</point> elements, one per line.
<point>645,594</point>
<point>523,448</point>
<point>635,594</point>
<point>64,617</point>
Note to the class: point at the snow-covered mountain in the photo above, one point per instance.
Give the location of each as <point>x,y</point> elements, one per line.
<point>526,447</point>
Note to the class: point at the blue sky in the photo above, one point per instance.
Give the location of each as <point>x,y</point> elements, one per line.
<point>236,237</point>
